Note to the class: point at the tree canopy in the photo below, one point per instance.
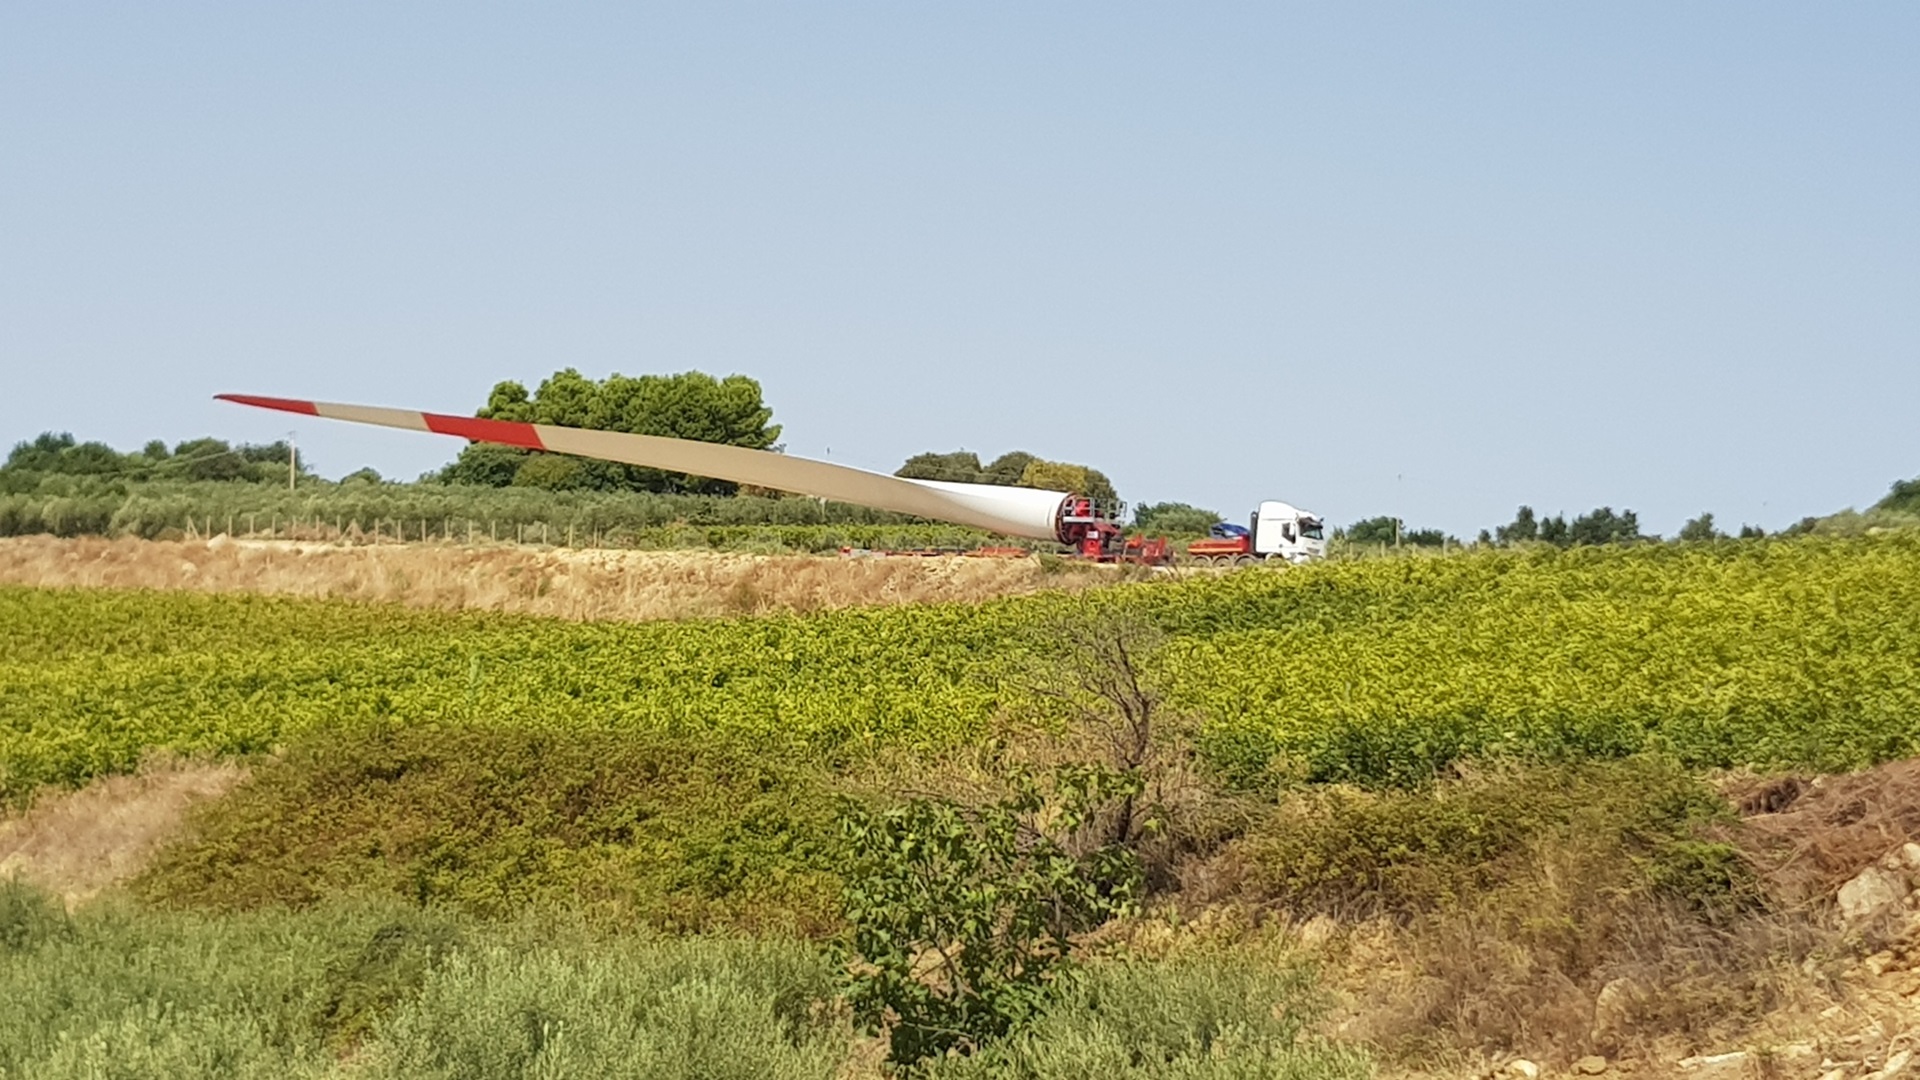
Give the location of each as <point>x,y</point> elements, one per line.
<point>1904,497</point>
<point>1175,518</point>
<point>1598,526</point>
<point>193,459</point>
<point>1701,529</point>
<point>1388,530</point>
<point>690,405</point>
<point>1016,468</point>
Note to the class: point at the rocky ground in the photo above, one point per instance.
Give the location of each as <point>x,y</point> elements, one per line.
<point>1841,853</point>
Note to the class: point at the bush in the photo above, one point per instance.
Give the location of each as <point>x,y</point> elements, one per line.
<point>1351,852</point>
<point>961,918</point>
<point>28,917</point>
<point>646,1010</point>
<point>129,994</point>
<point>1196,1017</point>
<point>390,968</point>
<point>494,820</point>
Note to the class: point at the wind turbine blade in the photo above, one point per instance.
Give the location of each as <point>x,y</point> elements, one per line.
<point>1012,511</point>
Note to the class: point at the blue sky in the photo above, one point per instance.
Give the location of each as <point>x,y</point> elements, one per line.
<point>1432,260</point>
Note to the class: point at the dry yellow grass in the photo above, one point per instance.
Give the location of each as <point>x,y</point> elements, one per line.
<point>76,843</point>
<point>573,584</point>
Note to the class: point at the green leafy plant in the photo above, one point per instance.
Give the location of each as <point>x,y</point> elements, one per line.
<point>963,917</point>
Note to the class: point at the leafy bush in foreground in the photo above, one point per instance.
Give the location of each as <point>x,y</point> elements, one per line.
<point>961,919</point>
<point>127,993</point>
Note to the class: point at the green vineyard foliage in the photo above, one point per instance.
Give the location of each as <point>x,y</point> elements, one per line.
<point>1770,653</point>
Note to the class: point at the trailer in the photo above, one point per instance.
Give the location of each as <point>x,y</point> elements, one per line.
<point>1277,532</point>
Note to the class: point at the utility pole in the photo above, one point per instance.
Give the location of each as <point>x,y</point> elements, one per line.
<point>293,460</point>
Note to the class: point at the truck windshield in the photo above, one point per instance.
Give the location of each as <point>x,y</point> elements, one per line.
<point>1312,530</point>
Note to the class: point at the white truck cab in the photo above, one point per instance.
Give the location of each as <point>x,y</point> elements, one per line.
<point>1284,531</point>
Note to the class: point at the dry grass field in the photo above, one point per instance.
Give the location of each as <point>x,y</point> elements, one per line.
<point>76,843</point>
<point>591,584</point>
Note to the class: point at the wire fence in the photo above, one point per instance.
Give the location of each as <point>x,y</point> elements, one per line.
<point>571,523</point>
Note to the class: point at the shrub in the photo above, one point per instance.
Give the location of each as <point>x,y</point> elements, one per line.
<point>628,1008</point>
<point>1198,1017</point>
<point>28,916</point>
<point>492,820</point>
<point>1349,851</point>
<point>960,918</point>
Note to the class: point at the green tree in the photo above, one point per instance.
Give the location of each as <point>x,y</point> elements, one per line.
<point>1522,529</point>
<point>1174,518</point>
<point>1078,479</point>
<point>1904,497</point>
<point>1701,529</point>
<point>1553,530</point>
<point>208,459</point>
<point>1603,526</point>
<point>1374,531</point>
<point>1008,468</point>
<point>193,459</point>
<point>691,405</point>
<point>1015,468</point>
<point>59,453</point>
<point>958,466</point>
<point>556,472</point>
<point>485,465</point>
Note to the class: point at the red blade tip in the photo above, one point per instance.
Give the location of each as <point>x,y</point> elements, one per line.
<point>283,404</point>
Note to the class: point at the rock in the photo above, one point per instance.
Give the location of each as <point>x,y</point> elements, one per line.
<point>1895,1066</point>
<point>1591,1065</point>
<point>1522,1068</point>
<point>1909,856</point>
<point>1613,1008</point>
<point>1317,931</point>
<point>1878,963</point>
<point>1797,1056</point>
<point>1729,1066</point>
<point>1871,892</point>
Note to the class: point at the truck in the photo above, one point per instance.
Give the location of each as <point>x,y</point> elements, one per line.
<point>1277,532</point>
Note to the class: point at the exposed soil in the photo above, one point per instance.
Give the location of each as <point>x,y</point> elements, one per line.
<point>1811,834</point>
<point>77,843</point>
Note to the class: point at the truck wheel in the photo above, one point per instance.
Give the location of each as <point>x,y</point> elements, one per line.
<point>1243,560</point>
